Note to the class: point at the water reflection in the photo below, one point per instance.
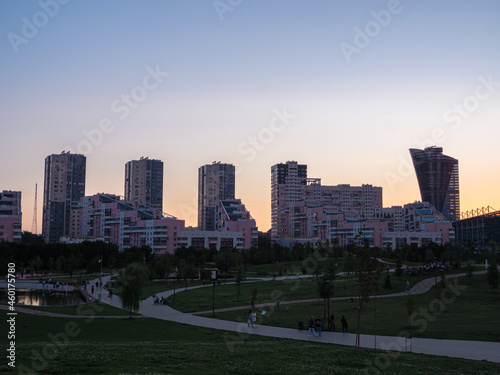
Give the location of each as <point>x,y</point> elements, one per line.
<point>33,297</point>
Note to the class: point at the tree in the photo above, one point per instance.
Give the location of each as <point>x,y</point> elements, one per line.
<point>240,276</point>
<point>324,286</point>
<point>387,282</point>
<point>130,283</point>
<point>410,306</point>
<point>368,274</point>
<point>492,275</point>
<point>469,270</point>
<point>349,264</point>
<point>399,267</point>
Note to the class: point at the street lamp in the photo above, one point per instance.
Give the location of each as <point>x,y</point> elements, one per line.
<point>100,282</point>
<point>213,301</point>
<point>174,287</point>
<point>327,282</point>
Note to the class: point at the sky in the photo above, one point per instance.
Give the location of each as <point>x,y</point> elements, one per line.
<point>344,87</point>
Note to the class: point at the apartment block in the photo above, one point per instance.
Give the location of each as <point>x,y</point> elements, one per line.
<point>144,182</point>
<point>211,239</point>
<point>10,216</point>
<point>232,215</point>
<point>128,224</point>
<point>215,182</point>
<point>64,186</point>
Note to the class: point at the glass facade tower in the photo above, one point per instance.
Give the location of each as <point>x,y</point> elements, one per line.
<point>437,176</point>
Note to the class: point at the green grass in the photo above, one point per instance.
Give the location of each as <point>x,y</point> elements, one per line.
<point>268,291</point>
<point>155,287</point>
<point>101,310</point>
<point>472,315</point>
<point>142,346</point>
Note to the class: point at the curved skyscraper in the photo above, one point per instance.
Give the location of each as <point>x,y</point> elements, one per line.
<point>437,176</point>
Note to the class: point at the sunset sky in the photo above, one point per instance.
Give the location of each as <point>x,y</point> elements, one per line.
<point>344,87</point>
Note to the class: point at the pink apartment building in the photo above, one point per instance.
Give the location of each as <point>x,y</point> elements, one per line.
<point>128,224</point>
<point>232,215</point>
<point>10,216</point>
<point>415,223</point>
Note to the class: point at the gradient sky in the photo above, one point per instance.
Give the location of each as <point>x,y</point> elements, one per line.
<point>417,79</point>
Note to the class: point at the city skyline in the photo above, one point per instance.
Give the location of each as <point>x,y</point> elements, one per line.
<point>345,88</point>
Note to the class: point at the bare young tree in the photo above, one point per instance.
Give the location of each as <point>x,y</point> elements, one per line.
<point>368,275</point>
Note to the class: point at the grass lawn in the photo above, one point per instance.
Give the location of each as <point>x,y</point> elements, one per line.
<point>150,346</point>
<point>268,291</point>
<point>100,310</point>
<point>155,287</point>
<point>472,315</point>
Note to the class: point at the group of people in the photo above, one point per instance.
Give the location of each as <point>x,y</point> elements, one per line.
<point>252,318</point>
<point>315,325</point>
<point>161,301</point>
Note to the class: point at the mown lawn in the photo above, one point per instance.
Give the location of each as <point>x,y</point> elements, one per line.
<point>149,346</point>
<point>286,290</point>
<point>468,311</point>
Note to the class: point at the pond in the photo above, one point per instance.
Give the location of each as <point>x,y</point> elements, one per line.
<point>34,297</point>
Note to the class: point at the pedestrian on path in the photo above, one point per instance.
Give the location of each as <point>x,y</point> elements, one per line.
<point>254,318</point>
<point>407,286</point>
<point>249,317</point>
<point>252,302</point>
<point>318,325</point>
<point>311,327</point>
<point>278,304</point>
<point>345,325</point>
<point>92,289</point>
<point>331,322</point>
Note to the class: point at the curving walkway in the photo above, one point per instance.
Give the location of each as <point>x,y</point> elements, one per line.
<point>478,350</point>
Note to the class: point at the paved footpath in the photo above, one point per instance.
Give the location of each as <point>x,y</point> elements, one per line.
<point>478,350</point>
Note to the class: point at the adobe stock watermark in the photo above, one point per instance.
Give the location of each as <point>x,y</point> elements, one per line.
<point>264,136</point>
<point>364,36</point>
<point>32,25</point>
<point>460,111</point>
<point>419,319</point>
<point>224,6</point>
<point>455,115</point>
<point>121,107</point>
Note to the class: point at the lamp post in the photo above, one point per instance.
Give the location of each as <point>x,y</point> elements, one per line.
<point>327,282</point>
<point>174,288</point>
<point>213,300</point>
<point>100,282</point>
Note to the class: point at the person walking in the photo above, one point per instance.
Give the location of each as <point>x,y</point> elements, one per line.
<point>92,289</point>
<point>278,304</point>
<point>345,326</point>
<point>249,317</point>
<point>331,322</point>
<point>254,318</point>
<point>318,326</point>
<point>311,327</point>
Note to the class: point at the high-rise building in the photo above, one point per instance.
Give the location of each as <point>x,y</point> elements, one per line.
<point>287,181</point>
<point>437,176</point>
<point>64,186</point>
<point>144,182</point>
<point>215,182</point>
<point>10,216</point>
